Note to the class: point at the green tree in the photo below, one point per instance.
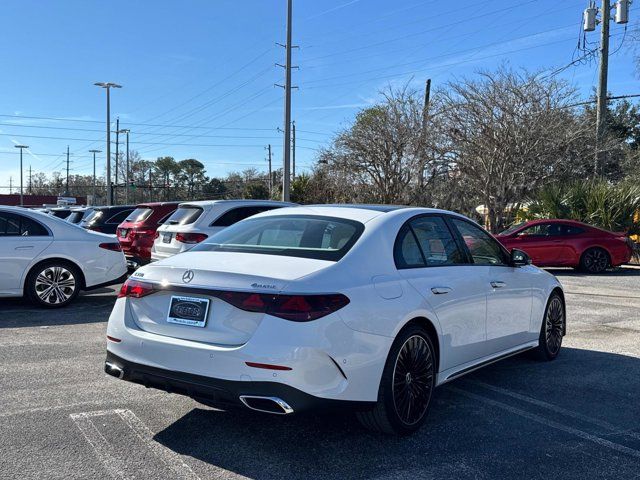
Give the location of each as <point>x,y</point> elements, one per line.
<point>192,175</point>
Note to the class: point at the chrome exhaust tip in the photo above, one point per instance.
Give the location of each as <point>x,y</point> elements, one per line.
<point>266,404</point>
<point>113,370</point>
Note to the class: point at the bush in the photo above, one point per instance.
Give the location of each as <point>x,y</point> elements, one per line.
<point>596,202</point>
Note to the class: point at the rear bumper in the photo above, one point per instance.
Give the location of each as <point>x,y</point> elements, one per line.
<point>214,391</point>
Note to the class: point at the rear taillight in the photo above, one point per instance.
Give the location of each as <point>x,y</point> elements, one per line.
<point>156,235</point>
<point>136,289</point>
<point>114,247</point>
<point>297,308</point>
<point>190,237</point>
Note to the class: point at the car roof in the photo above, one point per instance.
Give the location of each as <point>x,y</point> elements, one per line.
<point>114,207</point>
<point>556,220</point>
<point>156,204</point>
<point>206,203</point>
<point>358,212</point>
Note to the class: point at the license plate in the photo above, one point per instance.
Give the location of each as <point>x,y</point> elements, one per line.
<point>190,311</point>
<point>166,238</point>
<point>122,232</point>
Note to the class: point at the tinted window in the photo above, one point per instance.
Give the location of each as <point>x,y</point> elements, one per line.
<point>18,225</point>
<point>236,214</point>
<point>542,230</point>
<point>119,217</point>
<point>323,238</point>
<point>571,230</point>
<point>184,216</point>
<point>484,249</point>
<point>512,228</point>
<point>92,216</point>
<point>60,213</point>
<point>139,215</point>
<point>426,241</point>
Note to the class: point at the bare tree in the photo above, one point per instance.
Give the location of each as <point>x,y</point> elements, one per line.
<point>509,133</point>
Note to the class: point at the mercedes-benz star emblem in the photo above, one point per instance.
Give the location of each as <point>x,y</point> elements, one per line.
<point>187,276</point>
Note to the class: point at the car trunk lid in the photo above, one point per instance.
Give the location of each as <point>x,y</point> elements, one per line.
<point>193,280</point>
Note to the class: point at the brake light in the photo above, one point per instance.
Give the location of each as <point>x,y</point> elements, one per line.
<point>156,235</point>
<point>190,237</point>
<point>136,289</point>
<point>114,247</point>
<point>297,308</point>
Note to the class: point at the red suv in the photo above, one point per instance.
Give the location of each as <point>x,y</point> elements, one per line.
<point>137,232</point>
<point>567,243</point>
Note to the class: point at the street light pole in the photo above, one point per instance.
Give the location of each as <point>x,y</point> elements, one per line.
<point>108,86</point>
<point>94,175</point>
<point>21,147</point>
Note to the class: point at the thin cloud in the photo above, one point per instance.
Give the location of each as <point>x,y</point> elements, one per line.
<point>331,10</point>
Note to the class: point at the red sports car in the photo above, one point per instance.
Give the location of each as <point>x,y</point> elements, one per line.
<point>567,243</point>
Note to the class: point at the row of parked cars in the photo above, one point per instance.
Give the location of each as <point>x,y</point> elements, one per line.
<point>154,231</point>
<point>45,257</point>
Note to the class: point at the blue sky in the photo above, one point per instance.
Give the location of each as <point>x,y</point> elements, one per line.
<point>199,75</point>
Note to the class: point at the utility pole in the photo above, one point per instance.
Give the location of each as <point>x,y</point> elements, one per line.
<point>108,86</point>
<point>589,25</point>
<point>21,147</point>
<point>94,175</point>
<point>286,178</point>
<point>293,152</point>
<point>425,107</point>
<point>117,158</point>
<point>10,185</point>
<point>66,188</point>
<point>270,176</point>
<point>30,191</point>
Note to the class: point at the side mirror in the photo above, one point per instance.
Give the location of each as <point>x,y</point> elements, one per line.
<point>519,258</point>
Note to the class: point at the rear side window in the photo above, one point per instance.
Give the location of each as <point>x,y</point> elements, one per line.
<point>119,217</point>
<point>139,215</point>
<point>426,242</point>
<point>542,230</point>
<point>236,214</point>
<point>484,249</point>
<point>12,225</point>
<point>184,216</point>
<point>571,230</point>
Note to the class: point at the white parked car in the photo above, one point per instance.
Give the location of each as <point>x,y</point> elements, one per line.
<point>50,260</point>
<point>351,306</point>
<point>193,222</point>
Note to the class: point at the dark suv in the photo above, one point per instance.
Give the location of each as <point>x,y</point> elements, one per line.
<point>106,219</point>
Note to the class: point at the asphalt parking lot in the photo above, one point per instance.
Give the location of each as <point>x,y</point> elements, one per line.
<point>577,417</point>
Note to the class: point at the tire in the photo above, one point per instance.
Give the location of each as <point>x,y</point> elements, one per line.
<point>53,284</point>
<point>552,329</point>
<point>400,387</point>
<point>595,260</point>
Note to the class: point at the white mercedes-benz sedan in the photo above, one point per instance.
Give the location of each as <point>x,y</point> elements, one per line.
<point>360,306</point>
<point>49,260</point>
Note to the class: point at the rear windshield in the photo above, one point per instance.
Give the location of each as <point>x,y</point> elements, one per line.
<point>513,228</point>
<point>93,216</point>
<point>139,215</point>
<point>75,217</point>
<point>322,238</point>
<point>184,216</point>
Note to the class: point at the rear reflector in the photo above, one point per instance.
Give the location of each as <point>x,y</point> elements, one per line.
<point>136,289</point>
<point>114,247</point>
<point>267,366</point>
<point>113,339</point>
<point>190,237</point>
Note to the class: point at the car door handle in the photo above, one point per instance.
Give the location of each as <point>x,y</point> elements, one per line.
<point>24,247</point>
<point>497,284</point>
<point>440,290</point>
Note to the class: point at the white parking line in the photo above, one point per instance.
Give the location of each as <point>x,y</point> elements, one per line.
<point>99,443</point>
<point>106,452</point>
<point>549,406</point>
<point>550,423</point>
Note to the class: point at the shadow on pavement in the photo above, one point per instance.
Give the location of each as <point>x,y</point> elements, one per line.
<point>615,272</point>
<point>513,419</point>
<point>87,308</point>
